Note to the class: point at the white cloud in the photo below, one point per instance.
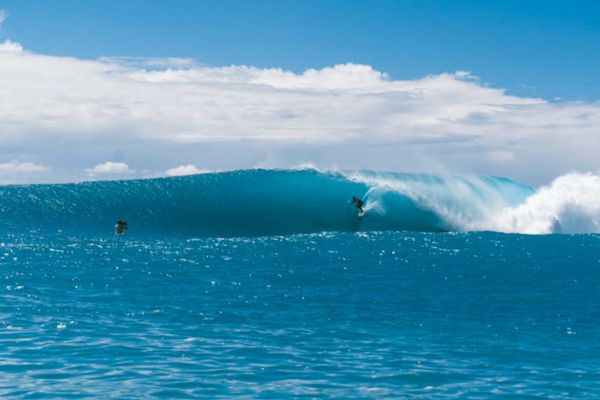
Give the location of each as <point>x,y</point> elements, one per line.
<point>188,169</point>
<point>14,172</point>
<point>109,167</point>
<point>21,168</point>
<point>66,110</point>
<point>8,46</point>
<point>3,16</point>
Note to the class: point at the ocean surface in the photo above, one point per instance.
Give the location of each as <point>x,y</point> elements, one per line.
<point>267,284</point>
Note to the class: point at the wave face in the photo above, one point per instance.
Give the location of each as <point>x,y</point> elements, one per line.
<point>264,202</point>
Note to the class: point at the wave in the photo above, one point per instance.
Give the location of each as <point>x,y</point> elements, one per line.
<point>275,202</point>
<point>571,204</point>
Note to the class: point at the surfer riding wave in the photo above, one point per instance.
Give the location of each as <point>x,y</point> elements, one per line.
<point>359,204</point>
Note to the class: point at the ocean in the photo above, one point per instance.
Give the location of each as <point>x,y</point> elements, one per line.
<point>267,284</point>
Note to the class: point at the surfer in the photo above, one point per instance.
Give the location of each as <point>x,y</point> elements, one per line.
<point>359,204</point>
<point>120,227</point>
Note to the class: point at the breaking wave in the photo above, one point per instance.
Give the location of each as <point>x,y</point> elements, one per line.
<point>274,202</point>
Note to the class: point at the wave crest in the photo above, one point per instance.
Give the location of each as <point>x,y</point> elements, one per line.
<point>268,202</point>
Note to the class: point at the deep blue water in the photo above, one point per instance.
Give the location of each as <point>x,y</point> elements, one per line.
<point>267,284</point>
<point>346,315</point>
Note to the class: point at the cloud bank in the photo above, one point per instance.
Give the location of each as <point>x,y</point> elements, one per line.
<point>70,113</point>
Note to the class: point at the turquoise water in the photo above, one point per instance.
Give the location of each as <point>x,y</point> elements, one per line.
<point>261,202</point>
<point>351,313</point>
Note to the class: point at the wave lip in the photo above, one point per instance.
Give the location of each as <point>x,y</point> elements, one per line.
<point>459,202</point>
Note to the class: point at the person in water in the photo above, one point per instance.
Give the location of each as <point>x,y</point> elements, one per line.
<point>359,203</point>
<point>120,227</point>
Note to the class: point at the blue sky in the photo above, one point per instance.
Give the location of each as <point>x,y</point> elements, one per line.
<point>130,89</point>
<point>531,48</point>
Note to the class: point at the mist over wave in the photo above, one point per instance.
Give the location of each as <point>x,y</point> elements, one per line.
<point>273,202</point>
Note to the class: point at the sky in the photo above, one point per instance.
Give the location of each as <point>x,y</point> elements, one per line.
<point>126,89</point>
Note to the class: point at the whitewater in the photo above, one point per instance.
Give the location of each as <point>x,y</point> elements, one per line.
<point>270,202</point>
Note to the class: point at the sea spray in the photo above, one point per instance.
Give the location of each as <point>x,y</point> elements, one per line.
<point>570,204</point>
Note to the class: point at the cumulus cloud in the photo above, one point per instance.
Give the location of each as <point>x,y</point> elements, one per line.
<point>21,168</point>
<point>182,170</point>
<point>348,115</point>
<point>9,46</point>
<point>14,172</point>
<point>109,168</point>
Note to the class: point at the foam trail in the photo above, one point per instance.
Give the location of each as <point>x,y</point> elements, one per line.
<point>571,204</point>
